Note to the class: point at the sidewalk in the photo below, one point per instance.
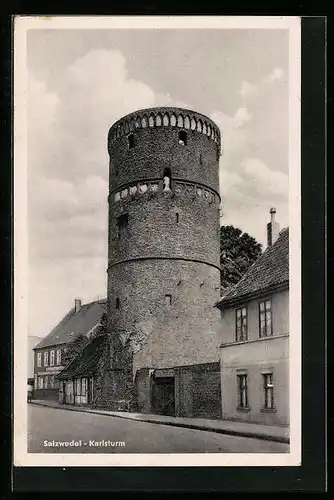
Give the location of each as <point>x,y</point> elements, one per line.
<point>233,428</point>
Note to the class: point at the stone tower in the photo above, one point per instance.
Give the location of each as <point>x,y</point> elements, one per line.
<point>164,254</point>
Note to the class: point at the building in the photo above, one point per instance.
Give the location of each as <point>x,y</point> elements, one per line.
<point>161,348</point>
<point>255,337</point>
<point>62,344</point>
<point>33,340</point>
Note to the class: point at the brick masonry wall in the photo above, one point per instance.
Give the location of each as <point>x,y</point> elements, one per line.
<point>111,386</point>
<point>197,391</point>
<point>184,332</point>
<point>154,229</point>
<point>156,148</point>
<point>181,253</point>
<point>143,383</point>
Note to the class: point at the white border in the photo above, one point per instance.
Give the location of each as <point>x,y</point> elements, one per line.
<point>21,456</point>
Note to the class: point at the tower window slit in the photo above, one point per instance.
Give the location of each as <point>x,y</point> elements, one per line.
<point>183,138</point>
<point>168,299</point>
<point>131,141</point>
<point>122,225</point>
<point>167,177</point>
<point>177,217</point>
<point>117,303</point>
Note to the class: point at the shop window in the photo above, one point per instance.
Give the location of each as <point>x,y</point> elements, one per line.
<point>84,385</point>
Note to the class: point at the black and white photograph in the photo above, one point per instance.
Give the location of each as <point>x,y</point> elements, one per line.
<point>157,283</point>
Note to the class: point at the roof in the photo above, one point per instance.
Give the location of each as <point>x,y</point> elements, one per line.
<point>75,324</point>
<point>85,362</point>
<point>269,272</point>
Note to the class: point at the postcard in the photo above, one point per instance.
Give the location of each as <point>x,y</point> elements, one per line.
<point>157,282</point>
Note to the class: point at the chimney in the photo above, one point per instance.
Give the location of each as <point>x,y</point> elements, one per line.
<point>272,228</point>
<point>77,305</point>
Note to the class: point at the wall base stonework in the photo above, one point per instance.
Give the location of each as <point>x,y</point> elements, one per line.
<point>45,394</point>
<point>197,391</point>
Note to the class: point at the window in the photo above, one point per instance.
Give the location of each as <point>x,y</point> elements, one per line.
<point>122,225</point>
<point>35,382</point>
<point>117,303</point>
<point>84,387</point>
<point>46,382</point>
<point>131,141</point>
<point>265,319</point>
<point>46,359</point>
<point>242,391</point>
<point>58,356</point>
<point>40,382</point>
<point>39,359</point>
<point>183,138</point>
<point>167,177</point>
<point>78,387</point>
<point>241,324</point>
<point>52,358</point>
<point>52,381</point>
<point>268,387</point>
<point>177,217</point>
<point>168,299</point>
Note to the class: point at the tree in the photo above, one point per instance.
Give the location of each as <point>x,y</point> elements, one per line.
<point>238,251</point>
<point>74,347</point>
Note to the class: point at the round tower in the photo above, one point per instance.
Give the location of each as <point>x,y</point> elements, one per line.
<point>164,250</point>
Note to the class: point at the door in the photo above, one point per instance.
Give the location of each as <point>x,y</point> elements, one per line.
<point>163,396</point>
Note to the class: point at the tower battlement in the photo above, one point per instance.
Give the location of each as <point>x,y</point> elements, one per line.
<point>178,118</point>
<point>146,145</point>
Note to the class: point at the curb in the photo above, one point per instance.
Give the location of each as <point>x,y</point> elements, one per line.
<point>252,435</point>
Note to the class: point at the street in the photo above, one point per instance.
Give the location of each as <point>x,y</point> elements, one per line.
<point>52,430</point>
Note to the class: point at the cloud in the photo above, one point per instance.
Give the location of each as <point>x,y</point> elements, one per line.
<point>247,89</point>
<point>266,183</point>
<point>248,192</point>
<point>241,117</point>
<point>248,186</point>
<point>68,176</point>
<point>275,75</point>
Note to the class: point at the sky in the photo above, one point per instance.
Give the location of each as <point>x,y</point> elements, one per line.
<point>80,81</point>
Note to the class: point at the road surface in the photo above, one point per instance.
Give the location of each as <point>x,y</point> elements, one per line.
<point>50,428</point>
